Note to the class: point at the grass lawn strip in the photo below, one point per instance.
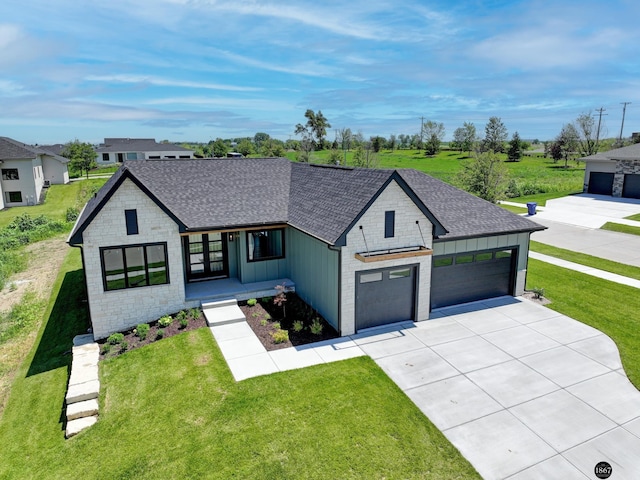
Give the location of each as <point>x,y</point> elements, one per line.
<point>612,308</point>
<point>619,227</point>
<point>513,208</point>
<point>173,410</point>
<point>587,260</point>
<point>635,217</point>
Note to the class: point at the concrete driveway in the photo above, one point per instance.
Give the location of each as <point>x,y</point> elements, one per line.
<point>522,391</point>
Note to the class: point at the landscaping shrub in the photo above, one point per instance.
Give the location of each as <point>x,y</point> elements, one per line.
<point>280,336</point>
<point>159,334</point>
<point>316,327</point>
<point>252,302</point>
<point>124,346</point>
<point>115,338</point>
<point>194,313</point>
<point>142,330</point>
<point>264,322</point>
<point>298,326</point>
<point>165,321</point>
<point>72,214</point>
<point>538,292</point>
<point>106,348</point>
<point>184,322</point>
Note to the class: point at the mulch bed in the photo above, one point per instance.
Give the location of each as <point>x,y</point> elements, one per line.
<point>133,341</point>
<point>264,317</point>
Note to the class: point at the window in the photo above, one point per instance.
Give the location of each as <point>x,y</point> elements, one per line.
<point>371,277</point>
<point>484,257</point>
<point>504,254</point>
<point>134,266</point>
<point>465,258</point>
<point>10,174</point>
<point>185,156</point>
<point>131,219</point>
<point>14,197</point>
<point>265,244</point>
<point>132,156</point>
<point>105,157</point>
<point>442,261</point>
<point>399,273</point>
<point>389,223</point>
<point>154,157</point>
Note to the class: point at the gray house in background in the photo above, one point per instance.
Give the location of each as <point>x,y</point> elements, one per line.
<point>26,171</point>
<point>364,247</point>
<point>119,150</point>
<point>616,172</point>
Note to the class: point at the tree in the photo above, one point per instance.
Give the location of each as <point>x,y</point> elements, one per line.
<point>377,143</point>
<point>81,156</point>
<point>335,157</point>
<point>495,134</point>
<point>219,148</point>
<point>566,144</point>
<point>391,144</point>
<point>516,147</point>
<point>486,176</point>
<point>588,136</point>
<point>344,137</point>
<point>434,134</point>
<point>259,138</point>
<point>245,147</point>
<point>315,128</point>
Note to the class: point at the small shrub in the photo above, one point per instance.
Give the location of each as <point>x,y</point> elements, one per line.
<point>72,214</point>
<point>538,292</point>
<point>267,316</point>
<point>194,313</point>
<point>184,322</point>
<point>298,326</point>
<point>316,326</point>
<point>266,300</point>
<point>165,321</point>
<point>276,325</point>
<point>252,302</point>
<point>142,330</point>
<point>255,314</point>
<point>159,334</point>
<point>124,346</point>
<point>280,336</point>
<point>264,323</point>
<point>182,315</point>
<point>115,338</point>
<point>106,348</point>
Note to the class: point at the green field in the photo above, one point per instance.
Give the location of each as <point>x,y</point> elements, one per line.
<point>538,178</point>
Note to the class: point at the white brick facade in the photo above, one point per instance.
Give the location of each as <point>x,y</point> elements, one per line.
<point>407,234</point>
<point>118,310</point>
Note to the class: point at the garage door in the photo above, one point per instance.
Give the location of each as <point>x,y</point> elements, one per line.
<point>470,276</point>
<point>631,187</point>
<point>385,295</point>
<point>601,183</point>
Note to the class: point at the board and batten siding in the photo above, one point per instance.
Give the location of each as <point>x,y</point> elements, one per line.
<point>519,240</point>
<point>407,234</point>
<point>315,270</point>
<point>261,270</point>
<point>118,310</point>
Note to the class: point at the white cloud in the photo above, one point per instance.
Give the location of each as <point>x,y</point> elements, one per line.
<point>165,82</point>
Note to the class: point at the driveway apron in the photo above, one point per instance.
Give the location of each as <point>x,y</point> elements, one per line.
<point>522,391</point>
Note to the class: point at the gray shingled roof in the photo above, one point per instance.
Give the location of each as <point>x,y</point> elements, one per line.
<point>13,150</point>
<point>322,201</point>
<point>138,145</point>
<point>631,152</point>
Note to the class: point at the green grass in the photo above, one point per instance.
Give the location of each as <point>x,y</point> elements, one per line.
<point>619,227</point>
<point>533,173</point>
<point>635,217</point>
<point>58,199</point>
<point>173,410</point>
<point>513,209</point>
<point>588,260</point>
<point>595,302</point>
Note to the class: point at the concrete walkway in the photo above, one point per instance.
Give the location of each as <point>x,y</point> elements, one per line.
<point>522,391</point>
<point>594,272</point>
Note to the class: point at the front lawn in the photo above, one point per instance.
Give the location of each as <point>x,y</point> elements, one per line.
<point>173,410</point>
<point>620,227</point>
<point>635,217</point>
<point>612,308</point>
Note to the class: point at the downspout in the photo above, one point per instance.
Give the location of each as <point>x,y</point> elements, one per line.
<point>339,250</point>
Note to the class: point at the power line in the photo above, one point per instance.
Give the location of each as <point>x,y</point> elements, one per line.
<point>624,110</point>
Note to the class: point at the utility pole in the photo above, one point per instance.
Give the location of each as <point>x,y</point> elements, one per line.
<point>624,109</point>
<point>421,129</point>
<point>600,110</point>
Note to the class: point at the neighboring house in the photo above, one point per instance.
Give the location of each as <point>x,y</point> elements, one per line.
<point>122,149</point>
<point>364,247</point>
<point>26,171</point>
<point>616,172</point>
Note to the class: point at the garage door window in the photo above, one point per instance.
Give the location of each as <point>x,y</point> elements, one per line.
<point>504,254</point>
<point>393,274</point>
<point>460,259</point>
<point>483,257</point>
<point>443,261</point>
<point>371,277</point>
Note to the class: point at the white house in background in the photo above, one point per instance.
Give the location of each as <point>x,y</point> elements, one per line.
<point>26,171</point>
<point>616,172</point>
<point>119,150</point>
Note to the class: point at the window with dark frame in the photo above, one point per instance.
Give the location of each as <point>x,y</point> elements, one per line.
<point>10,174</point>
<point>389,224</point>
<point>105,157</point>
<point>265,244</point>
<point>131,219</point>
<point>134,266</point>
<point>14,197</point>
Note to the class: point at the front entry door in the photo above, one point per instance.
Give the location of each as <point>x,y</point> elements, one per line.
<point>206,256</point>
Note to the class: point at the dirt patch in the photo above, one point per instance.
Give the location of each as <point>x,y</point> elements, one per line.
<point>131,340</point>
<point>45,258</point>
<point>534,298</point>
<point>267,320</point>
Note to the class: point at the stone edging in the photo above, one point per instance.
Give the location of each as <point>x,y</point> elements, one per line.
<point>84,386</point>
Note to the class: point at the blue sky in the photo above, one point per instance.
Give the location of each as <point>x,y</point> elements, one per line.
<point>194,70</point>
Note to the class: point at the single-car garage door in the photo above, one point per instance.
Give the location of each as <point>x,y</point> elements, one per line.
<point>385,295</point>
<point>631,186</point>
<point>601,183</point>
<point>470,276</point>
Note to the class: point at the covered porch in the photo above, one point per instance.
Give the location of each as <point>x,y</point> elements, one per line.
<point>224,288</point>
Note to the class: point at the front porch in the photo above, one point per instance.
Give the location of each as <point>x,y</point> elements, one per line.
<point>224,288</point>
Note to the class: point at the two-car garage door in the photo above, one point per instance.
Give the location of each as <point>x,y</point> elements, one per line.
<point>470,276</point>
<point>601,183</point>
